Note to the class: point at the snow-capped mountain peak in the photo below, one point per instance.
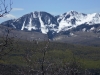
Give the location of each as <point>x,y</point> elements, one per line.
<point>73,19</point>
<point>45,22</point>
<point>35,21</point>
<point>72,12</point>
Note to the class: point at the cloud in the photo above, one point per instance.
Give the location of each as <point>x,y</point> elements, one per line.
<point>17,9</point>
<point>7,17</point>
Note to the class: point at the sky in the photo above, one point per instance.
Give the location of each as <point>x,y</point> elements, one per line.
<point>55,7</point>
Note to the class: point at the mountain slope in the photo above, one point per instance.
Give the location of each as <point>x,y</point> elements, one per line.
<point>34,21</point>
<point>66,24</point>
<point>73,19</point>
<point>21,35</point>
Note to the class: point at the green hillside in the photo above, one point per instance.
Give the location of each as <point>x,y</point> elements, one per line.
<point>33,54</point>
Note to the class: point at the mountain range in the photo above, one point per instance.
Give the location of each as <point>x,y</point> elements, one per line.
<point>65,27</point>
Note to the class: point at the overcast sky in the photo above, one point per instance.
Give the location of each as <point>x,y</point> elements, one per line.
<point>55,7</point>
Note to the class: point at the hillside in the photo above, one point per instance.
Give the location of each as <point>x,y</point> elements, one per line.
<point>28,55</point>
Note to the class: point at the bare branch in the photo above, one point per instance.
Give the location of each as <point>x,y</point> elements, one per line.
<point>5,8</point>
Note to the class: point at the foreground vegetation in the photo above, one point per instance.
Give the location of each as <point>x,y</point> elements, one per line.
<point>50,58</point>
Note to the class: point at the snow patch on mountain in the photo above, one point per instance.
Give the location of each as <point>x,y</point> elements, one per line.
<point>84,29</point>
<point>92,28</point>
<point>23,26</point>
<point>13,25</point>
<point>43,27</point>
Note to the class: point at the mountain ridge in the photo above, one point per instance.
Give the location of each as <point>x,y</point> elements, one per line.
<point>66,23</point>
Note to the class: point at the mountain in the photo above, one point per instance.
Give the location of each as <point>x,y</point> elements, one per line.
<point>45,22</point>
<point>74,19</point>
<point>34,21</point>
<point>70,24</point>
